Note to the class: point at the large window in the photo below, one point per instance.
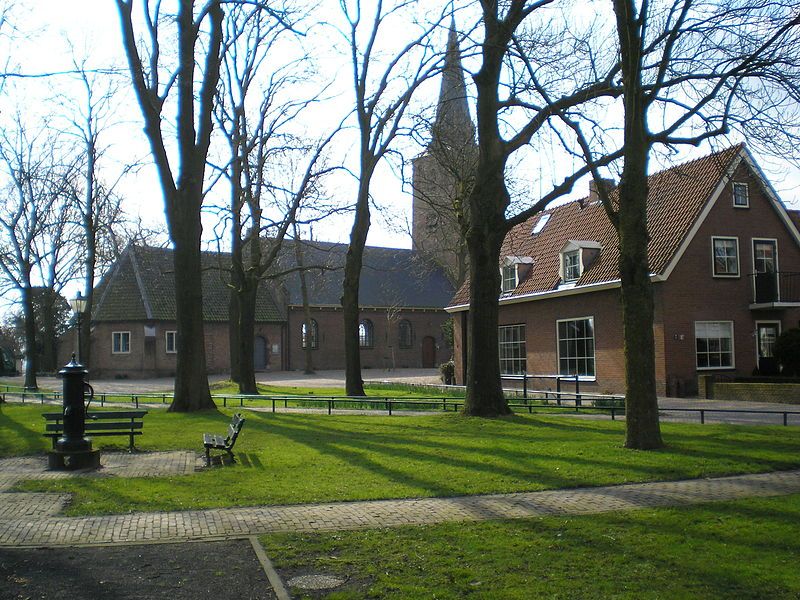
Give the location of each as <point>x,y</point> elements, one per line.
<point>511,339</point>
<point>171,342</point>
<point>714,344</point>
<point>576,347</point>
<point>313,338</point>
<point>572,265</point>
<point>406,334</point>
<point>120,342</point>
<point>509,273</point>
<point>366,337</point>
<point>726,257</point>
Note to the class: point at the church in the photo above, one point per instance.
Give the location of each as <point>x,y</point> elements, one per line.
<point>403,292</point>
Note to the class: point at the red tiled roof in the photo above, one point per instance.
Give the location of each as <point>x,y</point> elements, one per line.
<point>675,200</point>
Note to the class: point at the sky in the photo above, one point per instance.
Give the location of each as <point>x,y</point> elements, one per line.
<point>91,27</point>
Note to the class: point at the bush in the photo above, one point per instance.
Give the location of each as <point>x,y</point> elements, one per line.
<point>448,371</point>
<point>787,351</point>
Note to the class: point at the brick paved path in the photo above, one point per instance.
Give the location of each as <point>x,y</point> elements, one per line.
<point>34,526</point>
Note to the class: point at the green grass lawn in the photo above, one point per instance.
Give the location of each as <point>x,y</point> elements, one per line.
<point>745,549</point>
<point>293,458</point>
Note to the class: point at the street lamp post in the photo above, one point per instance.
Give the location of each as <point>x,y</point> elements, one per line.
<point>78,305</point>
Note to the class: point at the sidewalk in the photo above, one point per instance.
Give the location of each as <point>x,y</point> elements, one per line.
<point>31,519</point>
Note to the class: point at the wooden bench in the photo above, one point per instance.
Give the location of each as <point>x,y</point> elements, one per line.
<point>100,423</point>
<point>226,443</point>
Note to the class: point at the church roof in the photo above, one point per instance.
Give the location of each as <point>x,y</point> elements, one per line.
<point>141,287</point>
<point>390,277</point>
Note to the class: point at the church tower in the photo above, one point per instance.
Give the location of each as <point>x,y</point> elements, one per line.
<point>443,173</point>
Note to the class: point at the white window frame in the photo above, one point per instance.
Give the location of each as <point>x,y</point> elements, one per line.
<point>589,318</point>
<point>121,335</point>
<point>174,335</point>
<point>740,185</point>
<point>765,322</point>
<point>520,344</point>
<point>714,273</point>
<point>732,350</point>
<point>506,280</point>
<point>577,265</point>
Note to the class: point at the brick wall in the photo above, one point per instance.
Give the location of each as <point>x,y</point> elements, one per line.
<point>784,393</point>
<point>693,294</point>
<point>386,352</point>
<point>148,356</point>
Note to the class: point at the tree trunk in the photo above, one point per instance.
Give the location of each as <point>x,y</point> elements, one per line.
<point>31,359</point>
<point>354,385</point>
<point>191,382</point>
<point>641,405</point>
<point>234,327</point>
<point>247,324</point>
<point>484,387</point>
<point>48,333</point>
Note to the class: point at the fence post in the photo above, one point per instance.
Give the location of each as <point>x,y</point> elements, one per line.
<point>330,405</point>
<point>702,417</point>
<point>525,386</point>
<point>613,416</point>
<point>273,405</point>
<point>389,406</point>
<point>785,419</point>
<point>577,390</point>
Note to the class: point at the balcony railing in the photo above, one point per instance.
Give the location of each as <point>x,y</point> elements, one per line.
<point>776,287</point>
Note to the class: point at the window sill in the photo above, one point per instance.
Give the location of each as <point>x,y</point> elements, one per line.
<point>715,368</point>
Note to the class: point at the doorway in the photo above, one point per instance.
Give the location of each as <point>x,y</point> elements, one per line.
<point>766,335</point>
<point>428,352</point>
<point>260,353</point>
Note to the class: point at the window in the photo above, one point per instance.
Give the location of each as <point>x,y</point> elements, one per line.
<point>366,338</point>
<point>305,339</point>
<point>509,273</point>
<point>714,344</point>
<point>511,342</point>
<point>572,265</point>
<point>120,342</point>
<point>405,333</point>
<point>171,341</point>
<point>537,229</point>
<point>741,197</point>
<point>576,347</point>
<point>726,257</point>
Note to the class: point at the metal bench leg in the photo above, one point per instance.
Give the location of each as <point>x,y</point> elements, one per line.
<point>208,457</point>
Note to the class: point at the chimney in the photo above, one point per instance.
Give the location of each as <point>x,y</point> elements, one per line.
<point>594,194</point>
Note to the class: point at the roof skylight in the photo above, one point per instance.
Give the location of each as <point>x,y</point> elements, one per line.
<point>540,224</point>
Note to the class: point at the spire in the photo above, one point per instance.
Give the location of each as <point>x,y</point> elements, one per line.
<point>453,127</point>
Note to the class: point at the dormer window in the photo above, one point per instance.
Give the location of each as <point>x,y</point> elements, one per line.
<point>509,278</point>
<point>512,270</point>
<point>741,196</point>
<point>576,257</point>
<point>572,265</point>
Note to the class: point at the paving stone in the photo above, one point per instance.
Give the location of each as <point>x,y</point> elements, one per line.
<point>31,519</point>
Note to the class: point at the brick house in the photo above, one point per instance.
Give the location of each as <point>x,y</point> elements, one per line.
<point>725,262</point>
<point>133,321</point>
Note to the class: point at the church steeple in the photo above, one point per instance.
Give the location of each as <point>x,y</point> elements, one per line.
<point>453,127</point>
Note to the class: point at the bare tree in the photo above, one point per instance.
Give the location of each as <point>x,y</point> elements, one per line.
<point>690,72</point>
<point>99,206</point>
<point>271,170</point>
<point>381,101</point>
<point>33,223</point>
<point>507,87</point>
<point>198,38</point>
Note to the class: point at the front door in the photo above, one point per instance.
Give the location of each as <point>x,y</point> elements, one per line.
<point>765,265</point>
<point>428,352</point>
<point>260,353</point>
<point>767,333</point>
